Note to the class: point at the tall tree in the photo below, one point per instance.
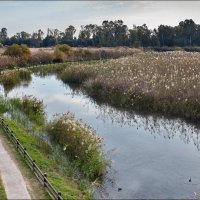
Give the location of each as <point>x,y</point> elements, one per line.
<point>3,35</point>
<point>188,29</point>
<point>69,32</point>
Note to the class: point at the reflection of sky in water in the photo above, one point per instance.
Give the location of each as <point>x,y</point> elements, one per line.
<point>151,157</point>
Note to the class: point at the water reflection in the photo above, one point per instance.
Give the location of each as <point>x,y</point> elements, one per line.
<point>152,157</point>
<point>24,82</point>
<point>155,125</point>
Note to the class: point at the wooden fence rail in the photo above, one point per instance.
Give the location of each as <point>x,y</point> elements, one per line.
<point>42,177</point>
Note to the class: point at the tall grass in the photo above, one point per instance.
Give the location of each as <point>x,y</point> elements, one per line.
<point>45,70</point>
<point>77,74</point>
<point>166,82</point>
<point>8,62</point>
<point>32,107</point>
<point>79,142</point>
<point>4,105</point>
<point>81,54</point>
<point>13,78</point>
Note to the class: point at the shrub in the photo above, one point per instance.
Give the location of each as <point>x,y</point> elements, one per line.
<point>66,49</point>
<point>41,57</point>
<point>79,142</point>
<point>59,56</point>
<point>19,51</point>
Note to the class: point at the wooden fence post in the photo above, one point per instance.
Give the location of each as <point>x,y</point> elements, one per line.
<point>24,152</point>
<point>44,179</point>
<point>17,143</point>
<point>59,195</point>
<point>33,164</point>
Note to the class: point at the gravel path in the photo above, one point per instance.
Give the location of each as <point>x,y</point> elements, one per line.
<point>13,181</point>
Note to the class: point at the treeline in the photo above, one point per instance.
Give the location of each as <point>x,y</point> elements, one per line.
<point>111,34</point>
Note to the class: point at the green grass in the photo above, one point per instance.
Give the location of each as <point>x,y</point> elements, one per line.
<point>2,191</point>
<point>34,186</point>
<point>32,107</point>
<point>57,174</point>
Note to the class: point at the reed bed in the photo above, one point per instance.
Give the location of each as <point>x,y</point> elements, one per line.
<point>8,62</point>
<point>166,83</point>
<point>82,54</point>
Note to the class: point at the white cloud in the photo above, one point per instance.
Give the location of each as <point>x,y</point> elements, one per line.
<point>32,15</point>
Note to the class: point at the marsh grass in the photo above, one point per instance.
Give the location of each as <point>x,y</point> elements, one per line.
<point>80,144</point>
<point>45,70</point>
<point>77,74</point>
<point>166,83</point>
<point>32,107</point>
<point>4,104</point>
<point>12,78</point>
<point>8,62</point>
<point>83,54</point>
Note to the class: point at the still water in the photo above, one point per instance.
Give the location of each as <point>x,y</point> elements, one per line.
<point>151,157</point>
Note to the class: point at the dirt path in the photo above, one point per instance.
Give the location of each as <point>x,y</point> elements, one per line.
<point>13,181</point>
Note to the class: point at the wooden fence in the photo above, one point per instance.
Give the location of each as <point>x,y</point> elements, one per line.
<point>42,177</point>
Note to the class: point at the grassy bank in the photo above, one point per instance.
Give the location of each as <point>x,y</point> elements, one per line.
<point>74,147</point>
<point>57,175</point>
<point>166,83</point>
<point>2,191</point>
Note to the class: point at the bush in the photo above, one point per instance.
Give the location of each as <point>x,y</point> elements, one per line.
<point>66,49</point>
<point>59,56</point>
<point>81,145</point>
<point>41,57</point>
<point>18,51</point>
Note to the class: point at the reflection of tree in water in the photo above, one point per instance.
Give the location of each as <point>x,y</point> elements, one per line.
<point>155,125</point>
<point>21,82</point>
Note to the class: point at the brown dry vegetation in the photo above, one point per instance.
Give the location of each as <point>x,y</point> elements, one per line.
<point>166,83</point>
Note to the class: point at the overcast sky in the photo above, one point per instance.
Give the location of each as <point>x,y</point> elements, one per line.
<point>28,16</point>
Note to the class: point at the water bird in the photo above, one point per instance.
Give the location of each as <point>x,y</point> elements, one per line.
<point>119,189</point>
<point>190,180</point>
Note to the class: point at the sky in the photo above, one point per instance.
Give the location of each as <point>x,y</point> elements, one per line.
<point>30,16</point>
